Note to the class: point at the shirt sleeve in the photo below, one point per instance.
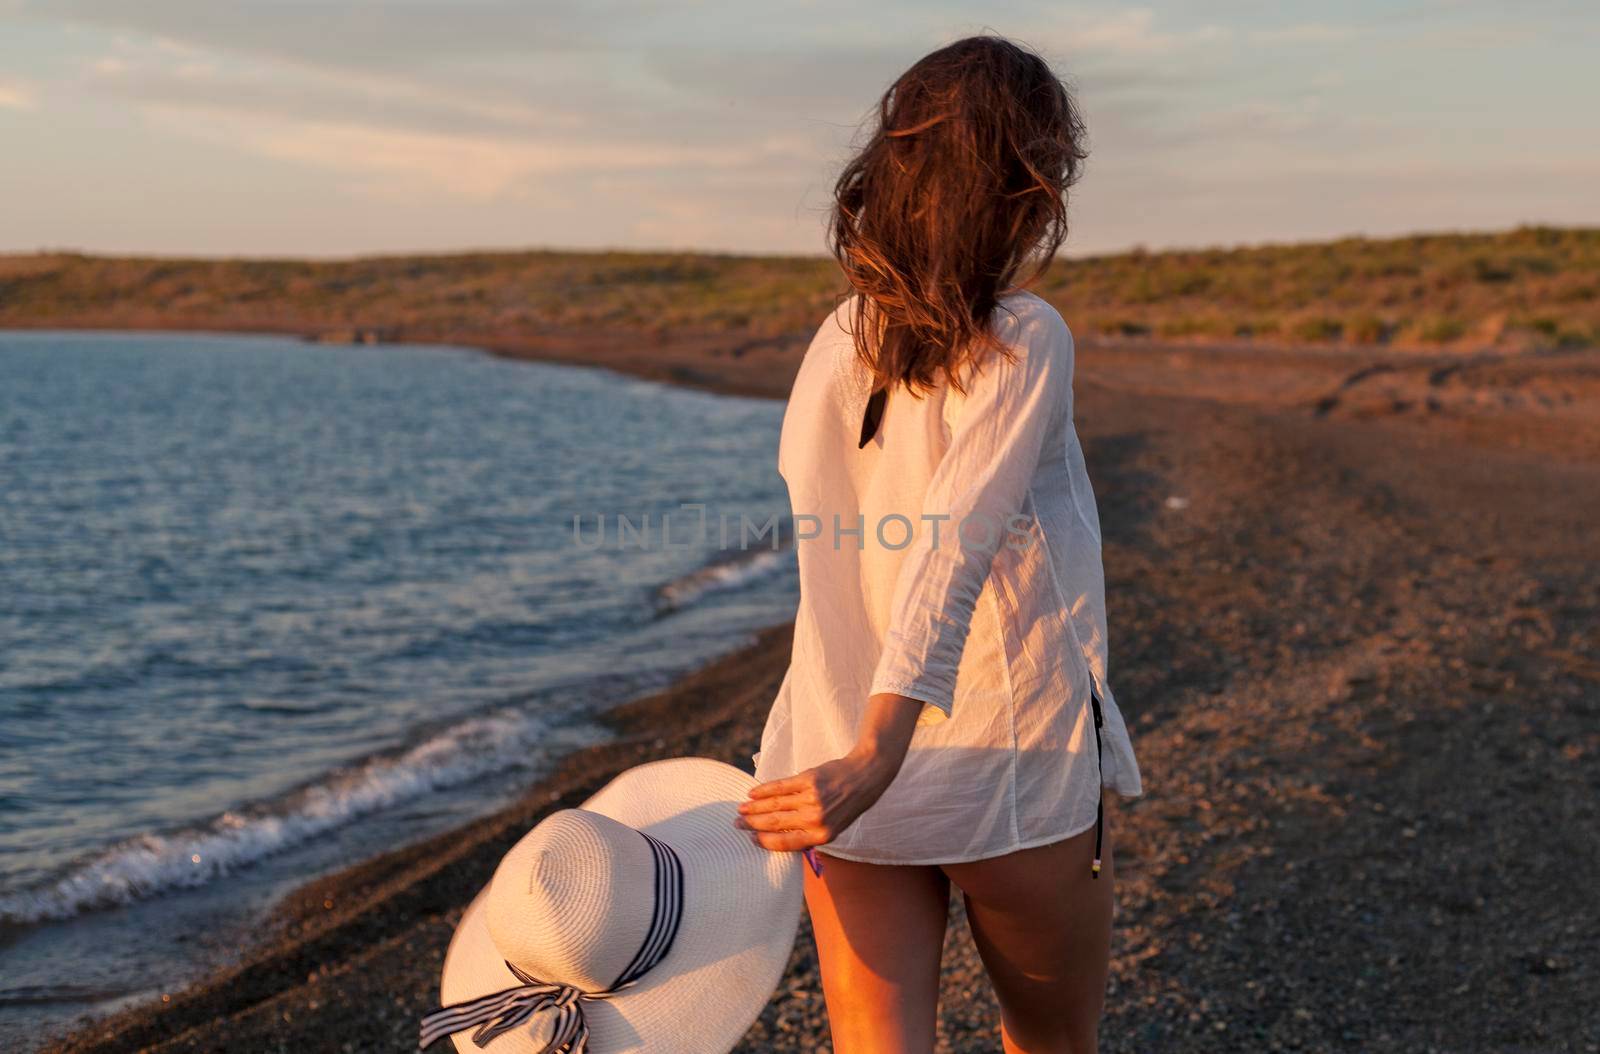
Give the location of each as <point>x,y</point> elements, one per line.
<point>981,482</point>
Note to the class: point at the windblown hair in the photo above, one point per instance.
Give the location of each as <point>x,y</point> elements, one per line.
<point>961,186</point>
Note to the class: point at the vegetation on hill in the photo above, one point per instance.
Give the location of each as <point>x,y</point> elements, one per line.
<point>1533,287</point>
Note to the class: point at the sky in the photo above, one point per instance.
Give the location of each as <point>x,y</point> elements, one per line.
<point>339,127</point>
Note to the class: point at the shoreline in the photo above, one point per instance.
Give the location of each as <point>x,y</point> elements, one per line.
<point>1538,398</point>
<point>739,364</point>
<point>1320,629</point>
<point>379,899</point>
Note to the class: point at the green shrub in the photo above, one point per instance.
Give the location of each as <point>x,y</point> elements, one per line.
<point>1191,283</point>
<point>1123,327</point>
<point>1317,329</point>
<point>1194,326</point>
<point>1495,271</point>
<point>1440,330</point>
<point>1366,329</point>
<point>1259,326</point>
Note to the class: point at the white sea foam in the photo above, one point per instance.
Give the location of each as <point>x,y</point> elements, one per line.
<point>752,566</point>
<point>155,862</point>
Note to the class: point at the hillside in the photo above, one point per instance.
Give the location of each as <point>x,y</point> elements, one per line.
<point>1527,288</point>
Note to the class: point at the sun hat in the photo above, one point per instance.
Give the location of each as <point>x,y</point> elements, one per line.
<point>643,920</point>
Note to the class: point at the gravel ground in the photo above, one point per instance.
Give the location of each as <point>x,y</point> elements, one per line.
<point>1358,645</point>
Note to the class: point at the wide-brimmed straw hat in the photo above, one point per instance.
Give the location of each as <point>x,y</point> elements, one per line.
<point>643,920</point>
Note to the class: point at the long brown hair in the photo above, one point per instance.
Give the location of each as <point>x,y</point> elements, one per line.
<point>960,186</point>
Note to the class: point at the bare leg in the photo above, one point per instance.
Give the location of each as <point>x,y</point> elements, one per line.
<point>1043,930</point>
<point>880,935</point>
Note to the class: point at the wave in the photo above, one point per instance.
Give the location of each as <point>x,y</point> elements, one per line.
<point>156,862</point>
<point>736,572</point>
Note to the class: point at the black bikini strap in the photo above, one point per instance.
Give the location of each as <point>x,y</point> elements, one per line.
<point>1100,791</point>
<point>873,416</point>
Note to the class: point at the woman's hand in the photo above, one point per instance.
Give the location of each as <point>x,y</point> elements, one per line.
<point>813,807</point>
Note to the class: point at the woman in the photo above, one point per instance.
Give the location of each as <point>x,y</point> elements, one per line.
<point>946,715</point>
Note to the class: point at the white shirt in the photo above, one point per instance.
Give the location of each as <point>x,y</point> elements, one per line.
<point>999,627</point>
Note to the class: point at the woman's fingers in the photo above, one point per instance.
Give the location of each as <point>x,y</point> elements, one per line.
<point>781,803</point>
<point>788,841</point>
<point>784,815</point>
<point>771,821</point>
<point>791,785</point>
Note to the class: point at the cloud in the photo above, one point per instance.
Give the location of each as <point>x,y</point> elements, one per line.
<point>616,54</point>
<point>399,140</point>
<point>1486,36</point>
<point>346,35</point>
<point>256,91</point>
<point>477,167</point>
<point>1308,33</point>
<point>687,222</point>
<point>697,124</point>
<point>1131,34</point>
<point>15,95</point>
<point>616,70</point>
<point>439,43</point>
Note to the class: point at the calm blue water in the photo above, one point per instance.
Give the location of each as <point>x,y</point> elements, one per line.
<point>257,595</point>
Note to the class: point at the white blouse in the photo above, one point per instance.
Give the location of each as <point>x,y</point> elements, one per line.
<point>954,559</point>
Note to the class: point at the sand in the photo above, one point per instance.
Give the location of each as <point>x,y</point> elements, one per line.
<point>1353,606</point>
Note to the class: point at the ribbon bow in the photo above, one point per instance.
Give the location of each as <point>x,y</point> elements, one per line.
<point>499,1012</point>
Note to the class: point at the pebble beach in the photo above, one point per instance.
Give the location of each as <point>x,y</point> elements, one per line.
<point>1355,627</point>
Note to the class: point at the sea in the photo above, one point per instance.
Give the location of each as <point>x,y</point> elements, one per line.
<point>269,608</point>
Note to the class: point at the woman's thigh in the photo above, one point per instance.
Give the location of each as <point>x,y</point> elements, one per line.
<point>880,934</point>
<point>1043,928</point>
